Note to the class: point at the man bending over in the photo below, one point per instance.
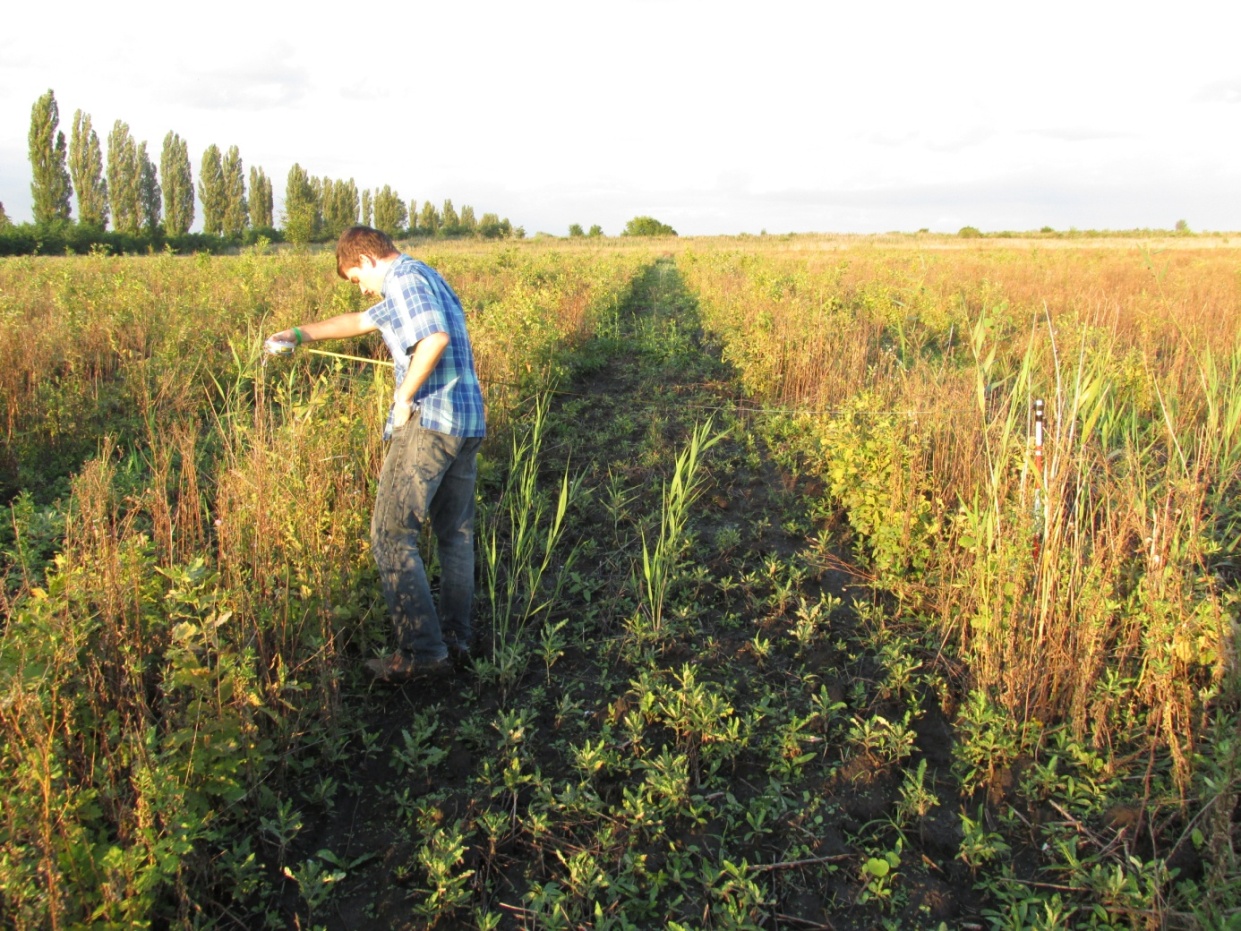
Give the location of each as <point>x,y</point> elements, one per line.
<point>435,426</point>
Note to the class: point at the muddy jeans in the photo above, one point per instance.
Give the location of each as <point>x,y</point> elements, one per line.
<point>426,475</point>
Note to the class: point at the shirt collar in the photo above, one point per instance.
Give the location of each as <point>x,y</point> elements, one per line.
<point>391,269</point>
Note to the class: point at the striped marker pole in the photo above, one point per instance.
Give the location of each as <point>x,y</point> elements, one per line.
<point>1038,477</point>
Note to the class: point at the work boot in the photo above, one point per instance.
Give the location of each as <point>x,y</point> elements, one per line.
<point>399,667</point>
<point>459,654</point>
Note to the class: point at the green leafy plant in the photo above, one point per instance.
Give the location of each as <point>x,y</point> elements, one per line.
<point>878,875</point>
<point>447,885</point>
<point>916,798</point>
<point>418,752</point>
<point>979,845</point>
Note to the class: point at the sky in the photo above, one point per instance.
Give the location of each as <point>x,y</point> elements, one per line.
<point>713,117</point>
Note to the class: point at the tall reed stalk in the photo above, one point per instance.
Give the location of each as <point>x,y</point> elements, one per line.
<point>523,567</point>
<point>661,561</point>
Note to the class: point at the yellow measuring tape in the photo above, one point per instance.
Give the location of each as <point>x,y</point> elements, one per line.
<point>341,355</point>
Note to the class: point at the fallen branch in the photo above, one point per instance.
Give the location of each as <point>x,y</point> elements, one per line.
<point>793,864</point>
<point>806,923</point>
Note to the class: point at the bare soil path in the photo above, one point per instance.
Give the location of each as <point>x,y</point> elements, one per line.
<point>747,761</point>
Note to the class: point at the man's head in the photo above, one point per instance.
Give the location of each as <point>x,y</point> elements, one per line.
<point>362,257</point>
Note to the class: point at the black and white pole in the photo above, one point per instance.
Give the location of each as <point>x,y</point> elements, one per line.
<point>1038,477</point>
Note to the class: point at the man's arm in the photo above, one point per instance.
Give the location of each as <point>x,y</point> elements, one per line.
<point>422,362</point>
<point>342,326</point>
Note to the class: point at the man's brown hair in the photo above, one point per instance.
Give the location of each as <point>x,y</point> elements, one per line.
<point>358,241</point>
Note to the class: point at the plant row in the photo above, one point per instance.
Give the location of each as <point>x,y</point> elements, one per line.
<point>1086,585</point>
<point>185,575</point>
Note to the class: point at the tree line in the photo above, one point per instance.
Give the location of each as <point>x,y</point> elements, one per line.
<point>147,207</point>
<point>320,209</point>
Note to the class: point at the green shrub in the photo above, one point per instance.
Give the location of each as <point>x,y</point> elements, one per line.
<point>647,226</point>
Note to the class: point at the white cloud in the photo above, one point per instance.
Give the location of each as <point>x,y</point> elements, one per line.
<point>1225,91</point>
<point>271,81</point>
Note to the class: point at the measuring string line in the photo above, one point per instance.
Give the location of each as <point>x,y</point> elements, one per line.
<point>702,407</point>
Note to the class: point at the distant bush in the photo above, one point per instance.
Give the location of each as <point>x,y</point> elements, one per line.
<point>969,232</point>
<point>647,226</point>
<point>253,234</point>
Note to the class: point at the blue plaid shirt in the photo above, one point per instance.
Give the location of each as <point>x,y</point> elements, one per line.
<point>418,302</point>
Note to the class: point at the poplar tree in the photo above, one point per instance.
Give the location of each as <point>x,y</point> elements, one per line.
<point>301,213</point>
<point>86,169</point>
<point>236,211</point>
<point>348,204</point>
<point>489,226</point>
<point>4,217</point>
<point>467,222</point>
<point>325,191</point>
<point>428,220</point>
<point>316,190</point>
<point>148,190</point>
<point>366,206</point>
<point>124,180</point>
<point>449,222</point>
<point>50,188</point>
<point>390,213</point>
<point>492,227</point>
<point>340,206</point>
<point>174,169</point>
<point>413,215</point>
<point>211,193</point>
<point>260,199</point>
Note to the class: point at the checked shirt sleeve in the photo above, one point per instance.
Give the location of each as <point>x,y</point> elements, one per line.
<point>417,310</point>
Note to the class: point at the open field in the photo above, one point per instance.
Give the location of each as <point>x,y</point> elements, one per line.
<point>784,622</point>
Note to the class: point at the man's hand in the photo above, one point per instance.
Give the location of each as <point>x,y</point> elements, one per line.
<point>280,344</point>
<point>401,412</point>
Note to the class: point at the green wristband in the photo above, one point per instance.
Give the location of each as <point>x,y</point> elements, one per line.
<point>297,335</point>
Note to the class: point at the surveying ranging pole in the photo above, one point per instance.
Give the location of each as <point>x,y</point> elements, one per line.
<point>1038,477</point>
